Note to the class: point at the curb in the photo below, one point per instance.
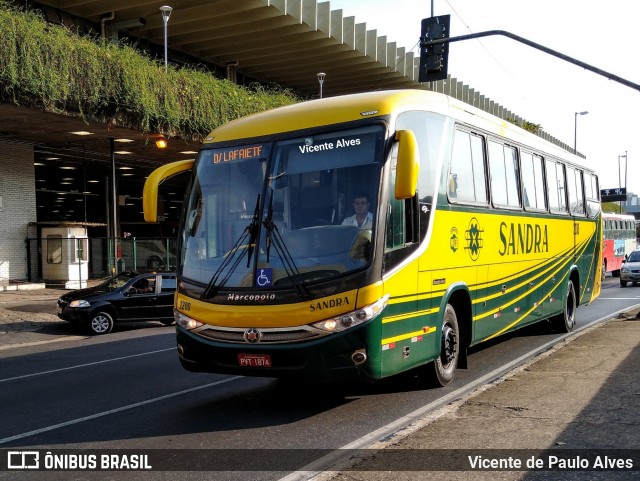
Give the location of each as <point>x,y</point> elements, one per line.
<point>21,287</point>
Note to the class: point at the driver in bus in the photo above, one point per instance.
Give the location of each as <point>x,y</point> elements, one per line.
<point>362,218</point>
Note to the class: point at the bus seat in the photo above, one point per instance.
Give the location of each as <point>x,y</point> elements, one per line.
<point>316,207</point>
<point>320,241</point>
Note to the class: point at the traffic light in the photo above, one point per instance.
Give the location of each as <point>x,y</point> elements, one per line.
<point>434,58</point>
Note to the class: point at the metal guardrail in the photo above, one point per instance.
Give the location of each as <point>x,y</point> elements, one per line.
<point>93,258</point>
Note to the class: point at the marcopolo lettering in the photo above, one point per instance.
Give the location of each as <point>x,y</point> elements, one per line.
<point>250,297</point>
<point>523,239</point>
<point>329,303</point>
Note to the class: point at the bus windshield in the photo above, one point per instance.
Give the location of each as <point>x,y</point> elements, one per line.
<point>283,214</point>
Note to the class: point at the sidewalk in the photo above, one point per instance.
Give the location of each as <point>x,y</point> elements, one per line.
<point>28,316</point>
<point>580,398</point>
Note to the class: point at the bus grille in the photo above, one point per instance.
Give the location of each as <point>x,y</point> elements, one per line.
<point>269,336</point>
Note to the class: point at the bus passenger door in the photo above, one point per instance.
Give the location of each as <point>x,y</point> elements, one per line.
<point>583,232</point>
<point>506,299</point>
<point>480,304</point>
<point>401,341</point>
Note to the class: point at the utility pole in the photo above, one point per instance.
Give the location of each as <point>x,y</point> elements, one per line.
<point>446,40</point>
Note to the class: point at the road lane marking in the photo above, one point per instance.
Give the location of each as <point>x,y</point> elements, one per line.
<point>78,366</point>
<point>619,298</point>
<point>113,411</point>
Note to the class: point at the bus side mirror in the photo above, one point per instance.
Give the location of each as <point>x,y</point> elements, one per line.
<point>150,191</point>
<point>408,164</point>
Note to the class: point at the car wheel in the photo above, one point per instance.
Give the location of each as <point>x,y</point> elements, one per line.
<point>154,263</point>
<point>623,283</point>
<point>100,323</point>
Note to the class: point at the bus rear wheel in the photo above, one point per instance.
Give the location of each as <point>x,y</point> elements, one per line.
<point>566,320</point>
<point>442,371</point>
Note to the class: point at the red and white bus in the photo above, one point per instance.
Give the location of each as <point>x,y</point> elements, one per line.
<point>618,242</point>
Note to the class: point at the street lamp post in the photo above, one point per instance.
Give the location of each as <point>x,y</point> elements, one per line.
<point>626,163</point>
<point>321,77</point>
<point>623,156</point>
<point>114,205</point>
<point>575,130</point>
<point>166,13</point>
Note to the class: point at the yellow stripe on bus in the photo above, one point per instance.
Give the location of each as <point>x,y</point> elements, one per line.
<point>409,335</point>
<point>408,315</point>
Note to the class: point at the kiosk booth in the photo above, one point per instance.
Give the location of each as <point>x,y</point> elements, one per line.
<point>65,256</point>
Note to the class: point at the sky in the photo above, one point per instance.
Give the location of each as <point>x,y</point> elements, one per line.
<point>532,84</point>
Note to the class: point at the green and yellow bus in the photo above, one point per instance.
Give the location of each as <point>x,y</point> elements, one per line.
<point>371,234</point>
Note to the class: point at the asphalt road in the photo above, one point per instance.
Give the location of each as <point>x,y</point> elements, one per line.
<point>127,390</point>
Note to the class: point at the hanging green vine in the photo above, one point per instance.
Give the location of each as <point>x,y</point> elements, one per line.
<point>52,68</point>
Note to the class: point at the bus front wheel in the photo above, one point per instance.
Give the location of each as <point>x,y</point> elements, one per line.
<point>442,371</point>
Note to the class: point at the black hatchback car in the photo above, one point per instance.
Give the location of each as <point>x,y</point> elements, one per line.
<point>126,297</point>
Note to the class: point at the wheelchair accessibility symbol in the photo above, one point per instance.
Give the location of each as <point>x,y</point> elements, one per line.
<point>264,277</point>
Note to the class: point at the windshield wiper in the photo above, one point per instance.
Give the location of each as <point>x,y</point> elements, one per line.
<point>274,238</point>
<point>232,260</point>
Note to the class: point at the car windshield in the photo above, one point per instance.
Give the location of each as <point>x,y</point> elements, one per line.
<point>119,280</point>
<point>282,214</point>
<point>634,257</point>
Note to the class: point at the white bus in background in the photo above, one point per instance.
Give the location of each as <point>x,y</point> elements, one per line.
<point>619,240</point>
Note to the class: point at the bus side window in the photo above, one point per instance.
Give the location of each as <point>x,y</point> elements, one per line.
<point>591,194</point>
<point>576,192</point>
<point>497,174</point>
<point>432,132</point>
<point>503,165</point>
<point>467,179</point>
<point>532,182</point>
<point>556,187</point>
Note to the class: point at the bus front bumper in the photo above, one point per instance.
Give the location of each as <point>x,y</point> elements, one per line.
<point>329,358</point>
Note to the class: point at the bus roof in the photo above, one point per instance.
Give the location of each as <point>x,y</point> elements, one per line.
<point>613,215</point>
<point>331,110</point>
<point>348,108</point>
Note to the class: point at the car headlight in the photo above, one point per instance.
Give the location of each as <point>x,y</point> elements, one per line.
<point>353,318</point>
<point>624,270</point>
<point>185,322</point>
<point>79,303</point>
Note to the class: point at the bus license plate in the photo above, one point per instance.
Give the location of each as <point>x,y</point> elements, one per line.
<point>254,360</point>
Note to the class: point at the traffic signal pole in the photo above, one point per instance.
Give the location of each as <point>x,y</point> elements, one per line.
<point>591,68</point>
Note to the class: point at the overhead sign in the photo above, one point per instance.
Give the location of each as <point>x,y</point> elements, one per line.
<point>613,195</point>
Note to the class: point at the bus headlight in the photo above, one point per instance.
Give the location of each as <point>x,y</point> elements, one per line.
<point>353,318</point>
<point>185,321</point>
